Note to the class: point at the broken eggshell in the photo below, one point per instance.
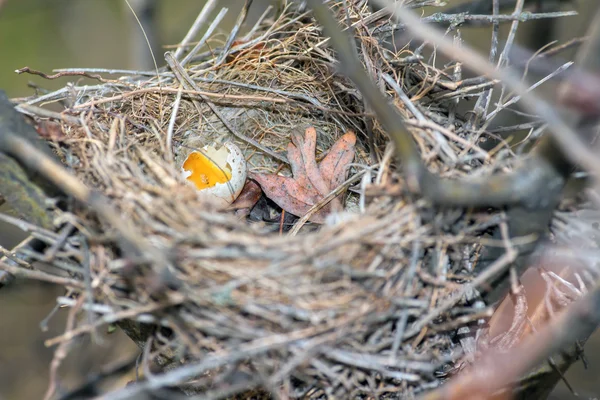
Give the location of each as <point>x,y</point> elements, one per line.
<point>219,175</point>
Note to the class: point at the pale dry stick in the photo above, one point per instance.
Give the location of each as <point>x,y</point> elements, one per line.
<point>110,71</point>
<point>86,265</point>
<point>441,140</point>
<point>484,6</point>
<point>211,28</point>
<point>323,202</point>
<point>144,318</point>
<point>234,32</point>
<point>457,77</point>
<point>117,316</point>
<point>257,24</point>
<point>503,262</point>
<point>54,96</point>
<point>42,112</point>
<point>364,182</point>
<point>61,352</point>
<point>511,35</point>
<point>41,276</point>
<point>62,74</point>
<point>171,126</point>
<point>28,226</point>
<point>461,90</point>
<point>429,124</point>
<point>185,80</point>
<point>197,92</point>
<point>96,308</point>
<point>63,93</point>
<point>501,106</point>
<point>475,19</point>
<point>483,102</point>
<point>461,321</point>
<point>7,255</point>
<point>501,61</point>
<point>196,26</point>
<point>568,140</point>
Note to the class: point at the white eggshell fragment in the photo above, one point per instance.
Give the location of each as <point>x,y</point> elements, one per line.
<point>219,175</point>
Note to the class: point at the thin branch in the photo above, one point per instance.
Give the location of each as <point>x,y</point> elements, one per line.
<point>196,26</point>
<point>186,81</point>
<point>234,32</point>
<point>568,140</point>
<point>211,28</point>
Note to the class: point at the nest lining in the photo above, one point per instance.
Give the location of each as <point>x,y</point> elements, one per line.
<point>344,310</point>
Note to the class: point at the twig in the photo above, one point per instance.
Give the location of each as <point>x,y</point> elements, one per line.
<point>484,100</point>
<point>446,19</point>
<point>495,268</point>
<point>62,74</point>
<point>61,353</point>
<point>115,317</point>
<point>570,143</point>
<point>258,23</point>
<point>171,126</point>
<point>195,28</point>
<point>187,81</point>
<point>42,112</point>
<point>41,276</point>
<point>234,32</point>
<point>441,140</point>
<point>324,201</point>
<point>211,28</point>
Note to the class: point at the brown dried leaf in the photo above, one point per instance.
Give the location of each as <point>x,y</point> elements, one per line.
<point>50,130</point>
<point>310,182</point>
<point>247,199</point>
<point>333,167</point>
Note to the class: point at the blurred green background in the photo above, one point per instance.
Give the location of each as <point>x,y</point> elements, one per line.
<point>50,34</point>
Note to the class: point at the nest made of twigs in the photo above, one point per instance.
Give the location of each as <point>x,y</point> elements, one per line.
<point>346,309</point>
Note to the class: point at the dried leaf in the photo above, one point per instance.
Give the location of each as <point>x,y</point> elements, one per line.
<point>247,199</point>
<point>50,130</point>
<point>333,167</point>
<point>310,182</point>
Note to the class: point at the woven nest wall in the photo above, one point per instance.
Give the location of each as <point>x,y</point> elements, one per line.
<point>351,307</point>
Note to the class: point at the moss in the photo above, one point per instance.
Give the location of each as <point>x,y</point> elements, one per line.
<point>28,200</point>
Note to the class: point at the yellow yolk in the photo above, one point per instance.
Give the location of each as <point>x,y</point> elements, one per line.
<point>204,173</point>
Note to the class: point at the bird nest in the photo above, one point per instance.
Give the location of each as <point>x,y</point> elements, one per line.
<point>367,303</point>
